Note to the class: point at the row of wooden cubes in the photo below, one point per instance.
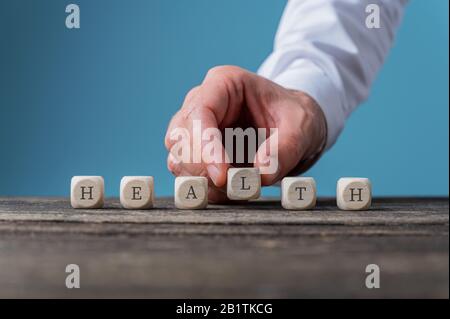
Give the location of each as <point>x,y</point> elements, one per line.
<point>191,192</point>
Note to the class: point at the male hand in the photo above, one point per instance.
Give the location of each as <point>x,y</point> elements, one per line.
<point>233,97</point>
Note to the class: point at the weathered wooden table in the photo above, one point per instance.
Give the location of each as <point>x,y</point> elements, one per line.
<point>252,250</point>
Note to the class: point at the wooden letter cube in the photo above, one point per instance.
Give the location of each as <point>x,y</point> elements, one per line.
<point>191,192</point>
<point>243,183</point>
<point>137,192</point>
<point>354,193</point>
<point>298,193</point>
<point>87,191</point>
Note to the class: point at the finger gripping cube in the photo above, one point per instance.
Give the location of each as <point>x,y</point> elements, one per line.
<point>243,183</point>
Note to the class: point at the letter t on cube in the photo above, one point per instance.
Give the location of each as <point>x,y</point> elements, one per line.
<point>298,193</point>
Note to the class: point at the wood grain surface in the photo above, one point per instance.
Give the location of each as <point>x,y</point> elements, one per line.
<point>254,250</point>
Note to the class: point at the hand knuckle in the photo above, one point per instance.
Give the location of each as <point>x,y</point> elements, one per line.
<point>191,94</point>
<point>226,71</point>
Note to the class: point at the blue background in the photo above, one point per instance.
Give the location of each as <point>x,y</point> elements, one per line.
<point>96,101</point>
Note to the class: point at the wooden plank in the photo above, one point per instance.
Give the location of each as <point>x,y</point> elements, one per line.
<point>384,211</point>
<point>254,250</point>
<point>237,266</point>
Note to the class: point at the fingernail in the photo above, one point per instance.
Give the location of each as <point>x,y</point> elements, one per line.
<point>213,173</point>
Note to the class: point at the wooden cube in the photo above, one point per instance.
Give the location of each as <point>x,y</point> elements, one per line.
<point>87,192</point>
<point>243,183</point>
<point>137,192</point>
<point>354,193</point>
<point>191,192</point>
<point>298,193</point>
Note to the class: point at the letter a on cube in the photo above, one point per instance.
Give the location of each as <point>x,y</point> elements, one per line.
<point>191,192</point>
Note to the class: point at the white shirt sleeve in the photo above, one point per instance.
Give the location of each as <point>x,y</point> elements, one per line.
<point>325,49</point>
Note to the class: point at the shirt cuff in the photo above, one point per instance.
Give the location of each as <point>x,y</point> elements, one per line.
<point>304,75</point>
